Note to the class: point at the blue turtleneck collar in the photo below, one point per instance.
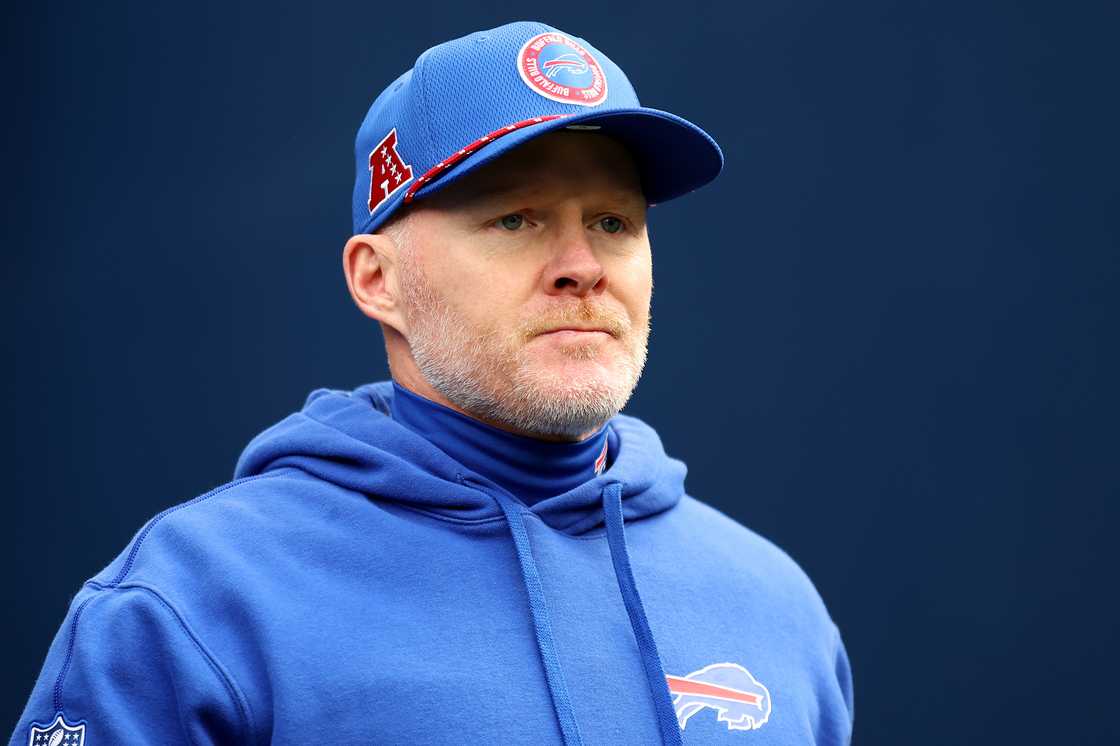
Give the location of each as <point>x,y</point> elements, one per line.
<point>530,469</point>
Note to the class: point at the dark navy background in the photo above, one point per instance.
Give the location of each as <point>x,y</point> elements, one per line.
<point>886,338</point>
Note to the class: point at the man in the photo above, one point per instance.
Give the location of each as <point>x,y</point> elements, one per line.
<point>482,549</point>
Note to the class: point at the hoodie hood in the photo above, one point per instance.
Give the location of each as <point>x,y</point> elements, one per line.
<point>349,439</point>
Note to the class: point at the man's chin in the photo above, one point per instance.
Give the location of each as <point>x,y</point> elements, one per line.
<point>583,385</point>
<point>570,412</point>
<point>565,373</point>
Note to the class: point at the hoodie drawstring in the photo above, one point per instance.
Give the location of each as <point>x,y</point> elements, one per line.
<point>651,660</point>
<point>542,624</point>
<point>639,624</point>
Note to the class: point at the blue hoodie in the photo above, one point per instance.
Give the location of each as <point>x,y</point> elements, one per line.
<point>355,585</point>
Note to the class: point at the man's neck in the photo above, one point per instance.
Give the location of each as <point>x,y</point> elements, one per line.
<point>530,468</point>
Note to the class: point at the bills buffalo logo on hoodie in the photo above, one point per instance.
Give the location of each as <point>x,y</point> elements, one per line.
<point>739,699</point>
<point>58,733</point>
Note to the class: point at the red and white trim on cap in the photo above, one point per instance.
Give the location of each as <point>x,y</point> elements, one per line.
<point>433,173</point>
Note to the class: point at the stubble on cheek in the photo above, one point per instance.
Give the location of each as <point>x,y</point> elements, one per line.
<point>456,354</point>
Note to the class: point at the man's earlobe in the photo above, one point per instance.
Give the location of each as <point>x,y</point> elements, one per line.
<point>369,262</point>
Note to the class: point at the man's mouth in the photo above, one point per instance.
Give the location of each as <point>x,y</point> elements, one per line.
<point>576,332</point>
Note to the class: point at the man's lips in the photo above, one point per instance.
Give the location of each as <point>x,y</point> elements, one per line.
<point>574,332</point>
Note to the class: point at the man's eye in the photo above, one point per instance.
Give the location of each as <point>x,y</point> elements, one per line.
<point>611,224</point>
<point>512,222</point>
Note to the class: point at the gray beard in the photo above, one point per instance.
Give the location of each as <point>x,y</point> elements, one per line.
<point>489,380</point>
<point>548,408</point>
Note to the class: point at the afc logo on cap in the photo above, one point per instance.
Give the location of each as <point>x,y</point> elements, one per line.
<point>387,171</point>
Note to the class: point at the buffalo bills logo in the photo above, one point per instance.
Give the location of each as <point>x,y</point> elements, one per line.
<point>738,698</point>
<point>559,68</point>
<point>572,64</point>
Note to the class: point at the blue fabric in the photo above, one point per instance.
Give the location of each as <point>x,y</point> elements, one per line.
<point>542,622</point>
<point>651,660</point>
<point>530,469</point>
<point>355,583</point>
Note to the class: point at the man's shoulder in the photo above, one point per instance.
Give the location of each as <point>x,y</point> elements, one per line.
<point>720,528</point>
<point>220,528</point>
<point>741,554</point>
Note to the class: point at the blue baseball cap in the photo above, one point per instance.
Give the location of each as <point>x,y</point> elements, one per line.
<point>469,100</point>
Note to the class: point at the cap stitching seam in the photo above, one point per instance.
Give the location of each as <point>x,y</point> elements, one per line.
<point>422,62</point>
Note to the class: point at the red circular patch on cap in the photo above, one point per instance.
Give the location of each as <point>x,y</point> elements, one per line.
<point>560,69</point>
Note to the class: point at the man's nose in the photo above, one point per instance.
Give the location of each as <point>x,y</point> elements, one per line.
<point>574,269</point>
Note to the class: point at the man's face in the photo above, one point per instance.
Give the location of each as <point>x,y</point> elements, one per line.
<point>527,286</point>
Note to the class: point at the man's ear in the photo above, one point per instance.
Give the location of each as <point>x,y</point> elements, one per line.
<point>370,263</point>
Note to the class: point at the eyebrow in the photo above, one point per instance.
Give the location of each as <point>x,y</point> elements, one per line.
<point>497,190</point>
<point>505,190</point>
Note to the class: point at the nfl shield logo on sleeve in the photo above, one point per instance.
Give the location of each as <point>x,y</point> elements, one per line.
<point>58,733</point>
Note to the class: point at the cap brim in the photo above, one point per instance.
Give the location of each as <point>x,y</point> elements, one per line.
<point>673,155</point>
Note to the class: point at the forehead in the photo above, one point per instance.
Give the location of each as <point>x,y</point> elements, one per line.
<point>557,162</point>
